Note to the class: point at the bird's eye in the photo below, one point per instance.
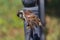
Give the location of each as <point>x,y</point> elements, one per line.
<point>20,15</point>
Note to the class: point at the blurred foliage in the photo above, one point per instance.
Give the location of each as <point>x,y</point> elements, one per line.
<point>8,11</point>
<point>53,19</point>
<point>11,27</point>
<point>9,19</point>
<point>53,8</point>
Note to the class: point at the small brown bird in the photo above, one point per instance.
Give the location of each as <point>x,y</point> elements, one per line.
<point>30,17</point>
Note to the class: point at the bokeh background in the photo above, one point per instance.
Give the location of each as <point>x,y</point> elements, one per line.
<point>12,27</point>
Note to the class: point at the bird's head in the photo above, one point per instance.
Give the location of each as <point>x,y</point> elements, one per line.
<point>20,14</point>
<point>23,14</point>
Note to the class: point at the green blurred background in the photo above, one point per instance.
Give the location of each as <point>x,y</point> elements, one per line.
<point>11,27</point>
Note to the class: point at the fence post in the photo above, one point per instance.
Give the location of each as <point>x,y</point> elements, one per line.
<point>41,9</point>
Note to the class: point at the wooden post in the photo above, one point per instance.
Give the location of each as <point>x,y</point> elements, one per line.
<point>41,10</point>
<point>41,13</point>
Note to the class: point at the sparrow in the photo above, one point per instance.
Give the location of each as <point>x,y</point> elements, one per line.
<point>30,17</point>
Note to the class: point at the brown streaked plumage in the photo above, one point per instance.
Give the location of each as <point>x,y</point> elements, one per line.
<point>31,18</point>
